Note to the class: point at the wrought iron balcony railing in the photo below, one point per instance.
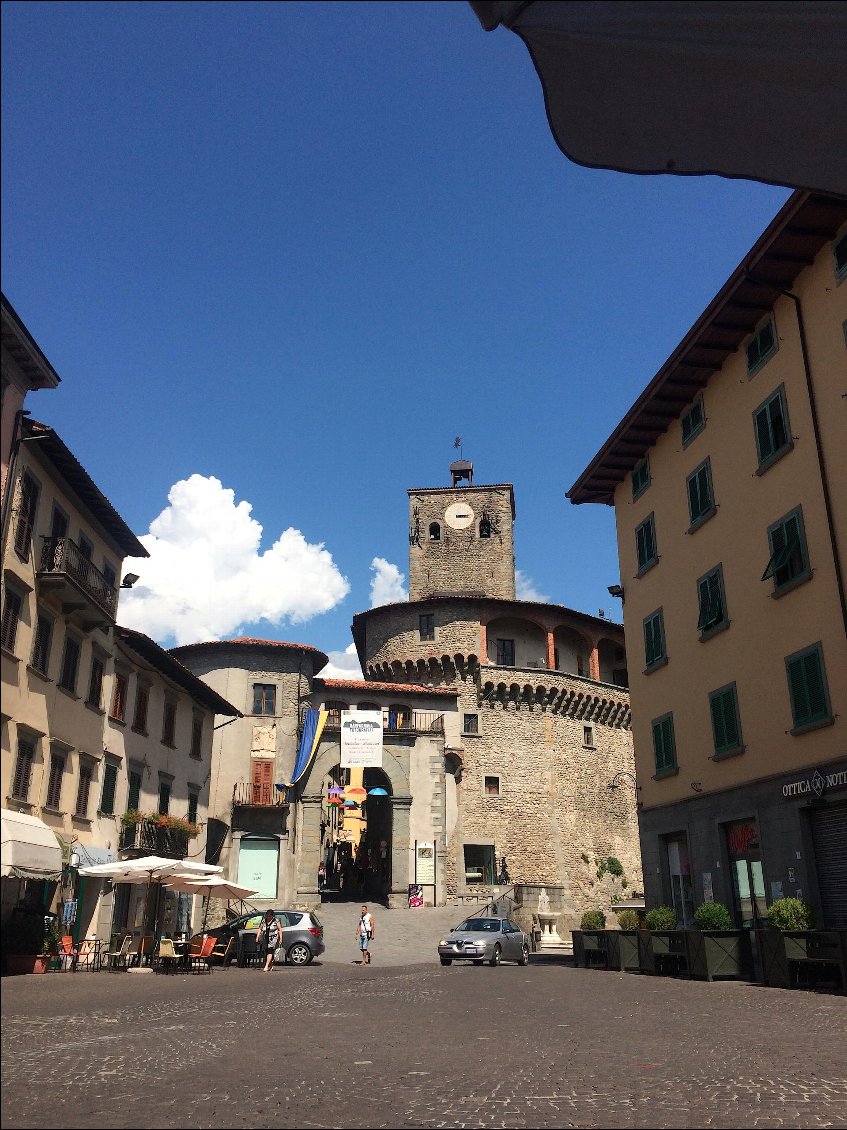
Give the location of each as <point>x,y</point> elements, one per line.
<point>256,795</point>
<point>62,558</point>
<point>399,722</point>
<point>152,839</point>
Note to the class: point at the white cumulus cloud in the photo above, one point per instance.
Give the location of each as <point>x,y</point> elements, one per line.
<point>343,665</point>
<point>387,583</point>
<point>525,588</point>
<point>206,576</point>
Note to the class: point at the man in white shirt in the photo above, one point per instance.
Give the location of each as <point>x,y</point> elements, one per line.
<point>364,932</point>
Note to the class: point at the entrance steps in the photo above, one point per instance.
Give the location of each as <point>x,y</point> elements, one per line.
<point>403,937</point>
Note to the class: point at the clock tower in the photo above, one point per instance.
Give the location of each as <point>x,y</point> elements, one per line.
<point>461,538</point>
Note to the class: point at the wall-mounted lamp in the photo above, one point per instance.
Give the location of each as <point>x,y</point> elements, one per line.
<point>74,860</point>
<point>615,781</point>
<point>129,580</point>
<point>615,590</point>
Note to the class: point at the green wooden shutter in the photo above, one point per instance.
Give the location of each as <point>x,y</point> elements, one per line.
<point>808,693</point>
<point>725,720</point>
<point>764,440</point>
<point>663,744</point>
<point>134,791</point>
<point>110,781</point>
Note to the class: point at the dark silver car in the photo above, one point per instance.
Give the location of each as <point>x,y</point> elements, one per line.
<point>302,936</point>
<point>485,939</point>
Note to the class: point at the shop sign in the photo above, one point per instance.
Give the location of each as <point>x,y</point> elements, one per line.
<point>816,785</point>
<point>741,837</point>
<point>361,739</point>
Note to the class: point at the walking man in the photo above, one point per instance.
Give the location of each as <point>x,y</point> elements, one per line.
<point>364,932</point>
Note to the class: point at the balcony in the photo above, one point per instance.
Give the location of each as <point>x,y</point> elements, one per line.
<point>255,795</point>
<point>149,838</point>
<point>77,582</point>
<point>426,722</point>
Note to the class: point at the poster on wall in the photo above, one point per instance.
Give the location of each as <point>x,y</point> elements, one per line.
<point>361,739</point>
<point>425,863</point>
<point>708,891</point>
<point>415,895</point>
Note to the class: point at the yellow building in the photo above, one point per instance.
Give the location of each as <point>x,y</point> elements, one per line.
<point>729,481</point>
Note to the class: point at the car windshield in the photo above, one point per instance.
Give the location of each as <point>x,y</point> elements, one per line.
<point>481,925</point>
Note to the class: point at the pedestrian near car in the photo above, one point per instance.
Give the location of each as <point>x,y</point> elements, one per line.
<point>365,933</point>
<point>269,934</point>
<point>321,875</point>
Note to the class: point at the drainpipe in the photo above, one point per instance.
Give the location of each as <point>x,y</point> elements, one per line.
<point>827,501</point>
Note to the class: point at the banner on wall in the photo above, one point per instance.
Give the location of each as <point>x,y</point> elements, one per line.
<point>361,739</point>
<point>425,863</point>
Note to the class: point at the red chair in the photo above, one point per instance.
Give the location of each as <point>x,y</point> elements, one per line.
<point>67,953</point>
<point>201,956</point>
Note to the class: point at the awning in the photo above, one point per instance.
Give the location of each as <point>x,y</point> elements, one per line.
<point>28,848</point>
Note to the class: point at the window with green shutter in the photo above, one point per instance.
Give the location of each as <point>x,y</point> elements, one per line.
<point>134,796</point>
<point>664,746</point>
<point>762,345</point>
<point>770,424</point>
<point>193,801</point>
<point>692,421</point>
<point>807,687</point>
<point>640,478</point>
<point>645,544</point>
<point>110,784</point>
<point>701,501</point>
<point>711,602</point>
<point>789,559</point>
<point>726,726</point>
<point>654,639</point>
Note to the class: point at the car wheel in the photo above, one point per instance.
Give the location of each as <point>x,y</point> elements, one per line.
<point>495,957</point>
<point>524,958</point>
<point>299,954</point>
<point>446,961</point>
<point>480,962</point>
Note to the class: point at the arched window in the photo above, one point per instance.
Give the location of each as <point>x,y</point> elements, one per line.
<point>434,531</point>
<point>485,528</point>
<point>399,717</point>
<point>335,707</point>
<point>368,706</point>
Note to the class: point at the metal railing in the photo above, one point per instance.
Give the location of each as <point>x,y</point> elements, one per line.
<point>399,722</point>
<point>148,836</point>
<point>62,555</point>
<point>257,795</point>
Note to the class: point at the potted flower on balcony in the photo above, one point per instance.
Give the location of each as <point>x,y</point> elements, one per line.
<point>622,944</point>
<point>661,947</point>
<point>715,949</point>
<point>589,941</point>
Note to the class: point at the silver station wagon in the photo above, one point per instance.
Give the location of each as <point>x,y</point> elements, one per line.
<point>485,939</point>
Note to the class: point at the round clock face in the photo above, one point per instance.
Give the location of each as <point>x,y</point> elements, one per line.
<point>459,516</point>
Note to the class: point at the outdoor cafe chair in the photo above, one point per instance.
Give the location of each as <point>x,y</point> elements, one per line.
<point>167,959</point>
<point>88,956</point>
<point>67,953</point>
<point>119,959</point>
<point>224,951</point>
<point>145,951</point>
<point>200,957</point>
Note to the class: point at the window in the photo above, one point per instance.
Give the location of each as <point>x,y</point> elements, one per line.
<point>110,785</point>
<point>169,722</point>
<point>506,653</point>
<point>54,781</point>
<point>692,421</point>
<point>807,686</point>
<point>434,531</point>
<point>470,724</point>
<point>86,547</point>
<point>770,425</point>
<point>70,664</point>
<point>193,801</point>
<point>426,626</point>
<point>485,528</point>
<point>491,785</point>
<point>86,772</point>
<point>761,346</point>
<point>479,863</point>
<point>23,769</point>
<point>640,478</point>
<point>164,794</point>
<point>588,737</point>
<point>645,544</point>
<point>25,527</point>
<point>197,735</point>
<point>142,702</point>
<point>95,682</point>
<point>58,523</point>
<point>134,792</point>
<point>399,716</point>
<point>839,254</point>
<point>110,573</point>
<point>119,696</point>
<point>654,639</point>
<point>264,698</point>
<point>664,746</point>
<point>712,606</point>
<point>726,726</point>
<point>701,502</point>
<point>42,644</point>
<point>12,606</point>
<point>789,559</point>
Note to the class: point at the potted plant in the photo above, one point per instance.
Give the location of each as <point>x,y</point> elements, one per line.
<point>715,949</point>
<point>661,947</point>
<point>23,943</point>
<point>589,941</point>
<point>622,944</point>
<point>785,939</point>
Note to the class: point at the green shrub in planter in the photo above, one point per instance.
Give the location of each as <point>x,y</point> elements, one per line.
<point>661,918</point>
<point>628,920</point>
<point>593,920</point>
<point>791,914</point>
<point>712,916</point>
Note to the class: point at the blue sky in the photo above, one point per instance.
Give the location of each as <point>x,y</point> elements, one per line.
<point>297,249</point>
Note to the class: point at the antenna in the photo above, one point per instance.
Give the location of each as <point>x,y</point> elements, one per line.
<point>457,442</point>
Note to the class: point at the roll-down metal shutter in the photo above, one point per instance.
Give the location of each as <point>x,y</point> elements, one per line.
<point>829,835</point>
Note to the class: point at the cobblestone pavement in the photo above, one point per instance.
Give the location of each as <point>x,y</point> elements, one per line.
<point>420,1046</point>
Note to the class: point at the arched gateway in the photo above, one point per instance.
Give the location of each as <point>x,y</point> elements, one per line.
<point>310,803</point>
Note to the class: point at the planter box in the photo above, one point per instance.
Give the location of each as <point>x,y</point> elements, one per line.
<point>622,949</point>
<point>578,948</point>
<point>19,963</point>
<point>661,952</point>
<point>594,946</point>
<point>719,953</point>
<point>772,958</point>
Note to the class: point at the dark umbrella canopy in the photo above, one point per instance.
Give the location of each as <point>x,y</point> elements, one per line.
<point>753,89</point>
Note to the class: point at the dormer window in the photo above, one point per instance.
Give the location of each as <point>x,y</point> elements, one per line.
<point>434,531</point>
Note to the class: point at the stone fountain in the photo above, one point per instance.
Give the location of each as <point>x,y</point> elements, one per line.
<point>549,942</point>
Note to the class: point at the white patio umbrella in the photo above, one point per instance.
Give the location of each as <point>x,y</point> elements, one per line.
<point>214,887</point>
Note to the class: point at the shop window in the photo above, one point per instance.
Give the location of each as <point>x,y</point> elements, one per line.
<point>42,644</point>
<point>726,725</point>
<point>761,346</point>
<point>789,560</point>
<point>807,687</point>
<point>645,545</point>
<point>264,698</point>
<point>772,430</point>
<point>748,879</point>
<point>23,769</point>
<point>479,864</point>
<point>679,871</point>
